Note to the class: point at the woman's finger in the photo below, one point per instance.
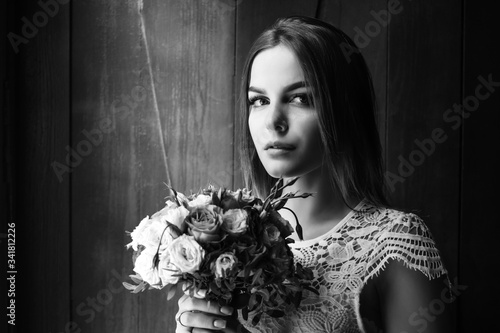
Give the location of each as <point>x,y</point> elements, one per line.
<point>201,330</point>
<point>202,320</point>
<point>187,303</point>
<point>181,326</point>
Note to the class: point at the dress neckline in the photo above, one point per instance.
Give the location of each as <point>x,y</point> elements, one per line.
<point>312,241</point>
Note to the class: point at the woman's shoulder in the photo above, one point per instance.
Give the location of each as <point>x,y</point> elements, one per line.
<point>391,220</point>
<point>401,236</point>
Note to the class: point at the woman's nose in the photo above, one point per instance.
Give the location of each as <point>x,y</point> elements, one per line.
<point>277,120</point>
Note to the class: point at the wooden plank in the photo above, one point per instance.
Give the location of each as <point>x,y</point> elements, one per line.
<point>423,82</point>
<point>480,165</point>
<point>42,202</point>
<point>178,129</point>
<point>252,18</point>
<point>366,23</point>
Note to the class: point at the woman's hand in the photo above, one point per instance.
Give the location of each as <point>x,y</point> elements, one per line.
<point>198,315</point>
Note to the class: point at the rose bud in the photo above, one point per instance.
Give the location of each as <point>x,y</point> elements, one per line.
<point>283,225</point>
<point>224,264</point>
<point>271,233</point>
<point>200,200</point>
<point>229,200</point>
<point>234,221</point>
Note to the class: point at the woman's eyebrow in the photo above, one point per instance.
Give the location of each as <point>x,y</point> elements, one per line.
<point>256,90</point>
<point>290,87</point>
<point>296,85</point>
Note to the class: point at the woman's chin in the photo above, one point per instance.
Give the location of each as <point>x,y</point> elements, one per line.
<point>276,170</point>
<point>280,172</point>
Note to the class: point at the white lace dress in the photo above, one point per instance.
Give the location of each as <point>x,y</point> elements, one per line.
<point>345,258</point>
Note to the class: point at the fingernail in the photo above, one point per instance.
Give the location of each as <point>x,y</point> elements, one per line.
<point>220,323</point>
<point>226,310</point>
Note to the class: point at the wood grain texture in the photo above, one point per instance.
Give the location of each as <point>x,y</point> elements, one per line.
<point>179,54</point>
<point>42,201</point>
<point>365,23</point>
<point>480,167</point>
<point>423,82</point>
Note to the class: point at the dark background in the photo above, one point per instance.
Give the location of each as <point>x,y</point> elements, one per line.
<point>148,96</point>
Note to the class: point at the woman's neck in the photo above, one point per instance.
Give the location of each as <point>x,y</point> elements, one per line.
<point>320,212</point>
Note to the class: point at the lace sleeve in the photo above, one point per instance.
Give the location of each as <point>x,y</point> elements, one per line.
<point>409,240</point>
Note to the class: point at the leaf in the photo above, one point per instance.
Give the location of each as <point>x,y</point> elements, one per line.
<point>275,313</point>
<point>256,277</point>
<point>264,293</point>
<point>136,278</point>
<point>175,194</point>
<point>298,229</point>
<point>141,287</point>
<point>256,319</point>
<point>244,313</point>
<point>171,293</point>
<point>252,301</point>
<point>129,286</point>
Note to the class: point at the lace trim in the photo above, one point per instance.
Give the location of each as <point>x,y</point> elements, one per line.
<point>410,242</point>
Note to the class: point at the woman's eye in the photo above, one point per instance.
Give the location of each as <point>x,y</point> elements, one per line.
<point>257,101</point>
<point>301,99</point>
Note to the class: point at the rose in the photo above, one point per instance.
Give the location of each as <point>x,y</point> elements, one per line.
<point>229,200</point>
<point>224,264</point>
<point>167,271</point>
<point>283,225</point>
<point>149,232</point>
<point>281,258</point>
<point>185,253</point>
<point>173,214</point>
<point>246,197</point>
<point>238,199</point>
<point>200,200</point>
<point>234,221</point>
<point>145,267</point>
<point>204,223</point>
<point>271,234</point>
<point>136,235</point>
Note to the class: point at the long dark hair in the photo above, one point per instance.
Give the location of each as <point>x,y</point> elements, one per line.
<point>344,100</point>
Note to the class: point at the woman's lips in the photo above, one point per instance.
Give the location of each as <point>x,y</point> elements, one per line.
<point>277,149</point>
<point>278,146</point>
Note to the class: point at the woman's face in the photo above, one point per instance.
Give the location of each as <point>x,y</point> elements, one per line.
<point>282,121</point>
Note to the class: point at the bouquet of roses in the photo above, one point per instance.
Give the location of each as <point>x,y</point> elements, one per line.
<point>229,243</point>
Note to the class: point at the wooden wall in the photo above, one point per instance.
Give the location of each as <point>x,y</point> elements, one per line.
<point>109,100</point>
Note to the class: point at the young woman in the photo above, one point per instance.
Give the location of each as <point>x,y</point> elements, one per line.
<point>308,108</point>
